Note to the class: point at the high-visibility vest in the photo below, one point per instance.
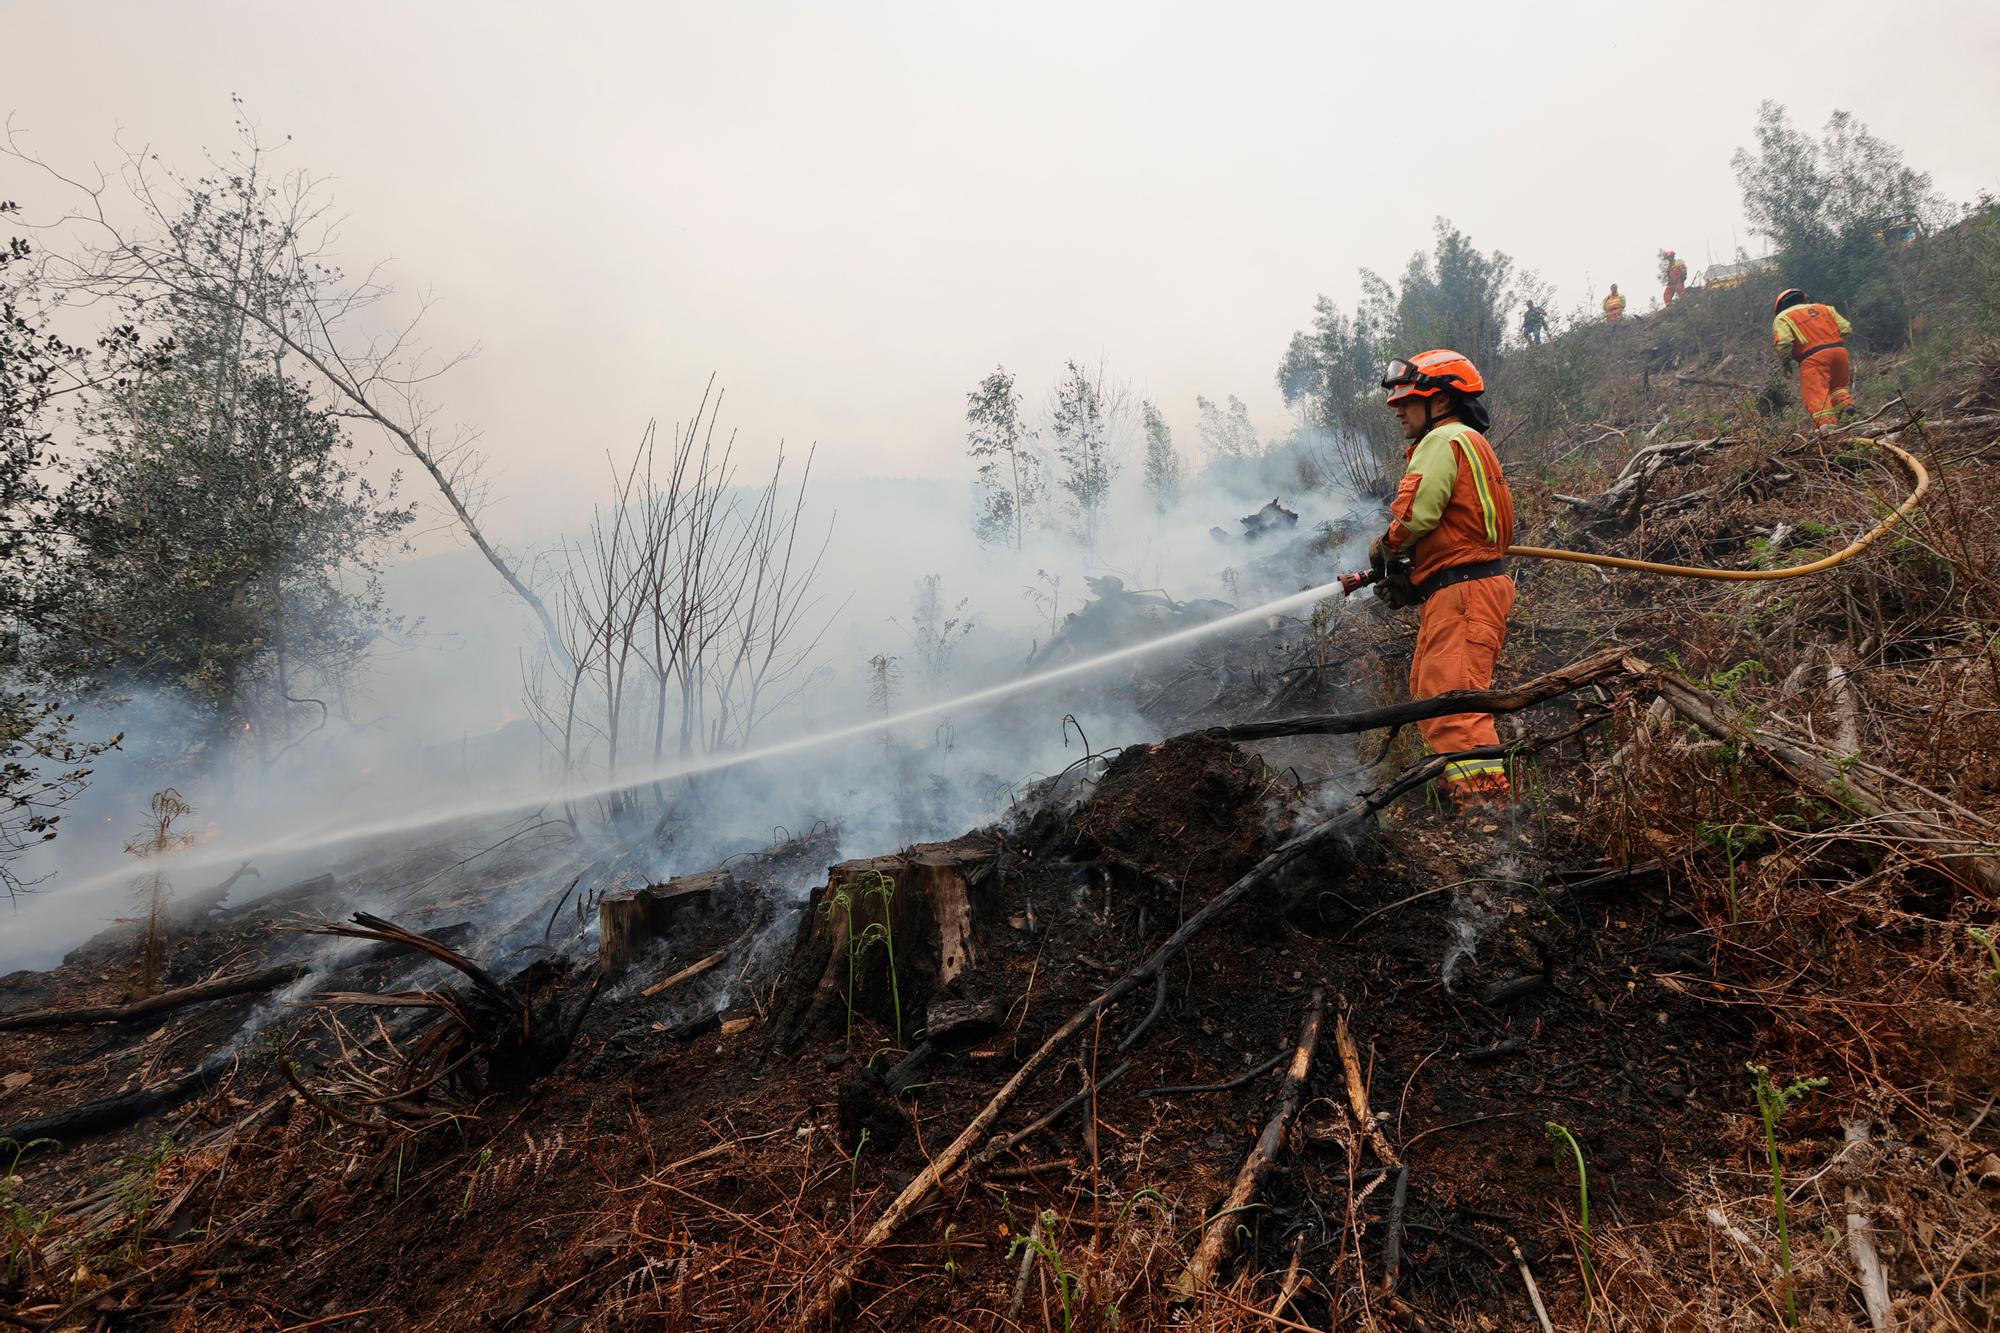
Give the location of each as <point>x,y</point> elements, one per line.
<point>1614,305</point>
<point>1477,521</point>
<point>1811,327</point>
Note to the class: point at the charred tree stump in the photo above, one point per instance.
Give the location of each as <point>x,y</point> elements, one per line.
<point>930,901</point>
<point>628,922</point>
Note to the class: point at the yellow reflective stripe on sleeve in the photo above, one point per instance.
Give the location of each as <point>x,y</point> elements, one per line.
<point>1480,484</point>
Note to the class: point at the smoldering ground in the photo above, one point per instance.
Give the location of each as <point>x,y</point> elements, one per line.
<point>435,740</point>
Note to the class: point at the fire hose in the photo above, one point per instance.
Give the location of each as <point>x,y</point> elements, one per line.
<point>1921,485</point>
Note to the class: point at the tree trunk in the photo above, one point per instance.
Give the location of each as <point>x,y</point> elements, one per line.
<point>936,907</point>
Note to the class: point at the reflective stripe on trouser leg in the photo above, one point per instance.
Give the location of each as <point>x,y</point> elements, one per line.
<point>1459,770</point>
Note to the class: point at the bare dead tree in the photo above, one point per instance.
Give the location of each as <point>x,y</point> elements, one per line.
<point>127,249</point>
<point>688,613</point>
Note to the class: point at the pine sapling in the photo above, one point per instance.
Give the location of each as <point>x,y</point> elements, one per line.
<point>1560,1135</point>
<point>1772,1102</point>
<point>152,891</point>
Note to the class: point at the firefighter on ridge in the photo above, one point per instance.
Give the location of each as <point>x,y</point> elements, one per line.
<point>1453,521</point>
<point>1675,273</point>
<point>1614,306</point>
<point>1808,334</point>
<point>1534,324</point>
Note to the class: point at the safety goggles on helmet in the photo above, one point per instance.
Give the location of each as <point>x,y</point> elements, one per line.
<point>1404,374</point>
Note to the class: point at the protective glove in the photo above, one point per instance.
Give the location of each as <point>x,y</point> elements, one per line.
<point>1378,555</point>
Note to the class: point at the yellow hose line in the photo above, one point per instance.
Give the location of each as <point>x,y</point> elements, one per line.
<point>1917,473</point>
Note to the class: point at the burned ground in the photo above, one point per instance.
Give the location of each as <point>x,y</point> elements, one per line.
<point>1667,905</point>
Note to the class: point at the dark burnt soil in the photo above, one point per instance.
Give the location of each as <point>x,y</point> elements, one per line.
<point>677,1173</point>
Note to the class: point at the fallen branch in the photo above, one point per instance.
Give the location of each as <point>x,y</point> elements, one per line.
<point>1214,1247</point>
<point>1838,783</point>
<point>1357,1092</point>
<point>1243,1079</point>
<point>690,971</point>
<point>1528,1281</point>
<point>1021,1136</point>
<point>219,988</point>
<point>1597,667</point>
<point>1861,1244</point>
<point>109,1113</point>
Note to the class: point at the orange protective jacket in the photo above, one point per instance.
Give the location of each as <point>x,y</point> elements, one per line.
<point>1801,330</point>
<point>1453,503</point>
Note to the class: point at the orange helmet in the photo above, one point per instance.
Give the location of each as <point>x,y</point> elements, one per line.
<point>1791,296</point>
<point>1426,373</point>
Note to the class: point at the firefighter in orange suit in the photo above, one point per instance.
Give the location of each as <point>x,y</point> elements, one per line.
<point>1614,306</point>
<point>1453,521</point>
<point>1808,334</point>
<point>1677,277</point>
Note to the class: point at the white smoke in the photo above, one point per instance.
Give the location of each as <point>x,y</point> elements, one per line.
<point>435,729</point>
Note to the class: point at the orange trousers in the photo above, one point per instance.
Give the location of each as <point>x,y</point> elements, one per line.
<point>1675,289</point>
<point>1823,380</point>
<point>1457,644</point>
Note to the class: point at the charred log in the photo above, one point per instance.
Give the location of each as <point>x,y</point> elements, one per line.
<point>219,988</point>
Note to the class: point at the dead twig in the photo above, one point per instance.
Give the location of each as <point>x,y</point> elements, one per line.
<point>1528,1280</point>
<point>1208,1256</point>
<point>1243,1079</point>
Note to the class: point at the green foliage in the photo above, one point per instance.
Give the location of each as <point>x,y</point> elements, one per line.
<point>1734,840</point>
<point>1772,1103</point>
<point>221,544</point>
<point>472,1178</point>
<point>1050,1251</point>
<point>1226,434</point>
<point>854,1162</point>
<point>43,765</point>
<point>1455,296</point>
<point>1985,940</point>
<point>1011,492</point>
<point>1830,207</point>
<point>24,1226</point>
<point>841,901</point>
<point>1080,439</point>
<point>936,629</point>
<point>1560,1136</point>
<point>151,892</point>
<point>882,888</point>
<point>1164,470</point>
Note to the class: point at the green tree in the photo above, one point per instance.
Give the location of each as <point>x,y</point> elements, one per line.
<point>221,522</point>
<point>1454,296</point>
<point>225,529</point>
<point>43,763</point>
<point>1226,434</point>
<point>1163,465</point>
<point>1010,471</point>
<point>1080,426</point>
<point>1823,204</point>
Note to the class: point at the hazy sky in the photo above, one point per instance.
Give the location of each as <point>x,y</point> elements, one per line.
<point>852,212</point>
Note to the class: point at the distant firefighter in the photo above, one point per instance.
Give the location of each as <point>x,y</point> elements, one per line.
<point>1808,334</point>
<point>1674,271</point>
<point>1614,306</point>
<point>1534,324</point>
